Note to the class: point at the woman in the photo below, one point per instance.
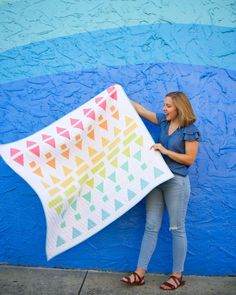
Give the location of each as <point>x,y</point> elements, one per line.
<point>178,144</point>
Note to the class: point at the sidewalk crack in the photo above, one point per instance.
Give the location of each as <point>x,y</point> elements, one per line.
<point>83,282</point>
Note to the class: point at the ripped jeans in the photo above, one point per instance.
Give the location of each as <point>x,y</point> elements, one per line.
<point>173,194</point>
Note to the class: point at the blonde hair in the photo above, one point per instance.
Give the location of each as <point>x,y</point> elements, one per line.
<point>185,111</point>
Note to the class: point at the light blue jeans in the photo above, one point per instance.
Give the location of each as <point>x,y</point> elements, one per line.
<point>173,194</point>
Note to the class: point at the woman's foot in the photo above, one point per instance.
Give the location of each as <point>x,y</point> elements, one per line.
<point>136,278</point>
<point>174,282</point>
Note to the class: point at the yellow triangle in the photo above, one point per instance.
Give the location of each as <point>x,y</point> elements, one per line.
<point>70,201</point>
<point>91,134</point>
<point>128,120</point>
<point>66,170</point>
<point>104,141</point>
<point>103,173</point>
<point>59,209</point>
<point>54,179</point>
<point>91,151</point>
<point>126,152</point>
<point>91,182</point>
<point>116,131</point>
<point>114,163</point>
<point>78,160</point>
<point>139,141</point>
<point>46,185</point>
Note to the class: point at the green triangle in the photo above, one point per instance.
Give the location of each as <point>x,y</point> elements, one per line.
<point>115,163</point>
<point>131,194</point>
<point>118,204</point>
<point>91,182</point>
<point>74,204</point>
<point>91,224</point>
<point>143,183</point>
<point>105,214</point>
<point>77,217</point>
<point>100,187</point>
<point>137,156</point>
<point>63,224</point>
<point>87,197</point>
<point>112,177</point>
<point>75,233</point>
<point>60,241</point>
<point>157,172</point>
<point>126,152</point>
<point>125,166</point>
<point>139,141</point>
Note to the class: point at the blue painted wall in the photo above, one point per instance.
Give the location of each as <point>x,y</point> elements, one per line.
<point>55,58</point>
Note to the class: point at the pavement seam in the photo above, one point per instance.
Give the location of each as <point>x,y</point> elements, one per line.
<point>80,289</point>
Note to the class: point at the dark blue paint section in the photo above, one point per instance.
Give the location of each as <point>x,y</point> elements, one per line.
<point>178,43</point>
<point>27,106</point>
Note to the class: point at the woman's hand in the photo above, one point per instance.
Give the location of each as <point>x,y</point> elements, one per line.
<point>159,147</point>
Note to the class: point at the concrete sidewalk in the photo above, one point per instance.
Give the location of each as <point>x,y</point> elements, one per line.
<point>50,281</point>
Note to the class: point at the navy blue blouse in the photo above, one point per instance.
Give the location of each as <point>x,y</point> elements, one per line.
<point>176,142</point>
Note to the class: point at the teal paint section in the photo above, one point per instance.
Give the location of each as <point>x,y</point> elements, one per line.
<point>24,22</point>
<point>186,44</point>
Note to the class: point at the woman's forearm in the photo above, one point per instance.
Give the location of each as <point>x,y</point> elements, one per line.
<point>180,158</point>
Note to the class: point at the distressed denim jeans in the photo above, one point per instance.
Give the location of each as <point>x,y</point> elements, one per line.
<point>173,194</point>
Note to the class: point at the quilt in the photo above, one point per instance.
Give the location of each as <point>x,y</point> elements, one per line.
<point>88,168</point>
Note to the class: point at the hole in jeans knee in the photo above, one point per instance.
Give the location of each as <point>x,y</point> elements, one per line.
<point>173,228</point>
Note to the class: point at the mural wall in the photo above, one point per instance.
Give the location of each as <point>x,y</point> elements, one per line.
<point>56,55</point>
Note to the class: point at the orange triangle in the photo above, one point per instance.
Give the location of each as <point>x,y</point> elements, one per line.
<point>66,154</point>
<point>79,145</point>
<point>52,163</point>
<point>104,141</point>
<point>38,171</point>
<point>116,115</point>
<point>103,125</point>
<point>91,134</point>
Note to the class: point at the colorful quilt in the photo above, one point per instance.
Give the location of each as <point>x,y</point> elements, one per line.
<point>88,168</point>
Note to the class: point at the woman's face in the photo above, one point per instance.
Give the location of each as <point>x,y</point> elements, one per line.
<point>170,109</point>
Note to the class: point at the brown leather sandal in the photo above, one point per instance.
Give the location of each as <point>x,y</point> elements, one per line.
<point>138,281</point>
<point>179,282</point>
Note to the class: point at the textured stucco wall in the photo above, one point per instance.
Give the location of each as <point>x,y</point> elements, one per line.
<point>55,55</point>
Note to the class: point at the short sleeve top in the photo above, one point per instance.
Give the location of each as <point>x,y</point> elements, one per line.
<point>176,142</point>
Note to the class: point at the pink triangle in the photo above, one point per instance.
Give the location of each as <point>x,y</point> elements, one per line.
<point>36,151</point>
<point>44,136</point>
<point>110,89</point>
<point>79,125</point>
<point>103,105</point>
<point>86,111</point>
<point>51,142</point>
<point>73,121</point>
<point>14,151</point>
<point>66,134</point>
<point>114,95</point>
<point>20,160</point>
<point>30,143</point>
<point>98,99</point>
<point>59,129</point>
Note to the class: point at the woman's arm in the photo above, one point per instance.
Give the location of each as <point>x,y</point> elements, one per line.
<point>148,115</point>
<point>191,148</point>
